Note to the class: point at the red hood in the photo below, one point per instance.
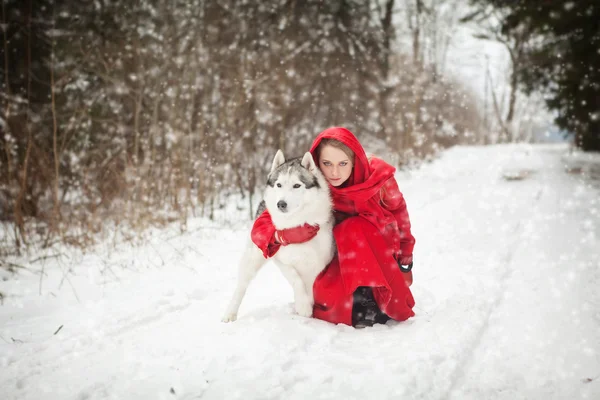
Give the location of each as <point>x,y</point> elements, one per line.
<point>367,177</point>
<point>362,170</point>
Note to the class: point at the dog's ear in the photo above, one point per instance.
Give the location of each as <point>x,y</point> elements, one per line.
<point>278,160</point>
<point>308,162</point>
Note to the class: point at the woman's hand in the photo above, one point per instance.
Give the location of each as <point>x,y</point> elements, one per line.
<point>405,260</point>
<point>298,234</point>
<point>406,263</point>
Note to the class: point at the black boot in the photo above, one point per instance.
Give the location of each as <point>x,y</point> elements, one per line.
<point>365,311</point>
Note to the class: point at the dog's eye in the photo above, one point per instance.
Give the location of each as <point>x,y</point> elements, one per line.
<point>296,186</point>
<point>279,185</point>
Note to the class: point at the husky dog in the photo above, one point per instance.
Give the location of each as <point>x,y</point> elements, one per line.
<point>296,193</point>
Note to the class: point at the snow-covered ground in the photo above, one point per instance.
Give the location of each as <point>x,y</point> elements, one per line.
<point>507,278</point>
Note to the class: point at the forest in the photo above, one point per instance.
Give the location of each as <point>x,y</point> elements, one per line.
<point>132,114</point>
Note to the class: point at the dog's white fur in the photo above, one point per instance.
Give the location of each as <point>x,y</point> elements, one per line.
<point>299,263</point>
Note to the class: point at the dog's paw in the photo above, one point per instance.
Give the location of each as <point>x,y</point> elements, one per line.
<point>304,309</point>
<point>229,317</point>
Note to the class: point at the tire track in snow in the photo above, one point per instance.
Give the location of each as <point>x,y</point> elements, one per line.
<point>459,373</point>
<point>82,345</point>
<point>163,309</point>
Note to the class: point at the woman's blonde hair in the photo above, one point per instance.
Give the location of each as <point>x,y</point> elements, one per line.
<point>338,145</point>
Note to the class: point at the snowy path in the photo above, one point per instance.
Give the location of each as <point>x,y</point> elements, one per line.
<point>506,283</point>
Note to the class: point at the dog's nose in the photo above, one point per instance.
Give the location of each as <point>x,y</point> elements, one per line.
<point>282,205</point>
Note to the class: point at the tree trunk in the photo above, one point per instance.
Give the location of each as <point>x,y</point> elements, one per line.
<point>18,210</point>
<point>56,211</point>
<point>384,94</point>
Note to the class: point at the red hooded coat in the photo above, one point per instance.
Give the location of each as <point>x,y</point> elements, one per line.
<point>372,230</point>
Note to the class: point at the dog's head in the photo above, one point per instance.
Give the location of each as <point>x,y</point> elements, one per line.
<point>293,184</point>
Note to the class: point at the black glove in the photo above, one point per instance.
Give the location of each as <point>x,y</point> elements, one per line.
<point>405,263</point>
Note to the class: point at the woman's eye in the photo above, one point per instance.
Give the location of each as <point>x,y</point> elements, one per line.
<point>296,186</point>
<point>327,164</point>
<point>343,163</point>
<point>279,185</point>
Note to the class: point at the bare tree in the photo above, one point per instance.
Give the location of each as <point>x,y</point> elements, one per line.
<point>487,23</point>
<point>147,111</point>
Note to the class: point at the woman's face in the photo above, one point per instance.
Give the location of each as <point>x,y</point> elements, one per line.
<point>335,165</point>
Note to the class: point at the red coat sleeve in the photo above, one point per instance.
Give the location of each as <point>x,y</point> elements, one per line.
<point>263,234</point>
<point>393,200</point>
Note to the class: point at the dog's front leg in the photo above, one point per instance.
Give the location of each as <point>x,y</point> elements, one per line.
<point>303,301</point>
<point>251,262</point>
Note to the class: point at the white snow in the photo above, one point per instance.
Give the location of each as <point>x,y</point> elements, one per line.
<point>506,283</point>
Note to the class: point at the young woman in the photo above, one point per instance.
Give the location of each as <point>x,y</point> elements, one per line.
<point>368,280</point>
